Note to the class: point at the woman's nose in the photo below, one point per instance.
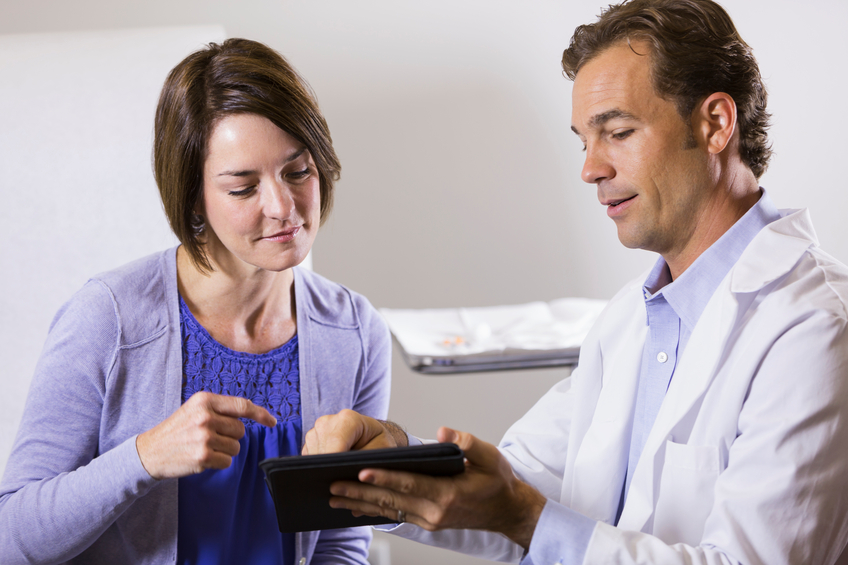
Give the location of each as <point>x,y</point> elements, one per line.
<point>597,166</point>
<point>278,202</point>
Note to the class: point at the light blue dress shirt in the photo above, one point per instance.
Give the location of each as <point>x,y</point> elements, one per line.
<point>673,308</point>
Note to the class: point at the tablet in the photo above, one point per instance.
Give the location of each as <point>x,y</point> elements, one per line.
<point>300,484</point>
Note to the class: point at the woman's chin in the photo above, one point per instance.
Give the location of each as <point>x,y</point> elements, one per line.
<point>280,263</point>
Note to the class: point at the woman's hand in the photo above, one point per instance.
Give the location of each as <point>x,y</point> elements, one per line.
<point>351,431</point>
<point>202,434</point>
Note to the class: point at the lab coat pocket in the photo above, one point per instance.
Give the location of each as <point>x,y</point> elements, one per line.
<point>686,492</point>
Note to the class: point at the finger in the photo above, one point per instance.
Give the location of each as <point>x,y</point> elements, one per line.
<point>345,431</point>
<point>373,435</point>
<point>224,445</point>
<point>332,433</point>
<point>477,452</point>
<point>402,482</point>
<point>411,492</point>
<point>361,508</point>
<point>226,426</point>
<point>204,417</point>
<point>215,452</point>
<point>369,500</point>
<point>238,407</point>
<point>217,460</point>
<point>309,443</point>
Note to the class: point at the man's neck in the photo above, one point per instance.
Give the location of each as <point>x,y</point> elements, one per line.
<point>714,221</point>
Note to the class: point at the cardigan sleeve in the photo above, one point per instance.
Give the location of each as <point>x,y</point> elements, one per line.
<point>373,392</point>
<point>349,546</point>
<point>58,493</point>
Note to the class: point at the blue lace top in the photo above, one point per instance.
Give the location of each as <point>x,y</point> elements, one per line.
<point>227,516</point>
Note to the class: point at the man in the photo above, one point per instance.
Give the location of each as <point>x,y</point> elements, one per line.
<point>707,420</point>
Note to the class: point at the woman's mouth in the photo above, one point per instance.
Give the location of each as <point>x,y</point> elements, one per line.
<point>283,235</point>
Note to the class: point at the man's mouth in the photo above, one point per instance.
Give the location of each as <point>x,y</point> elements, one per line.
<point>618,207</point>
<point>614,203</point>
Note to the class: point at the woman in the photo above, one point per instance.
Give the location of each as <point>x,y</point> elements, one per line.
<point>164,383</point>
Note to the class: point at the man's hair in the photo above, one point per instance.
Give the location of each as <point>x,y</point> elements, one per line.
<point>238,76</point>
<point>696,52</point>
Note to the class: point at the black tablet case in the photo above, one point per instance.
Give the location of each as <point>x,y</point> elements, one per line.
<point>300,485</point>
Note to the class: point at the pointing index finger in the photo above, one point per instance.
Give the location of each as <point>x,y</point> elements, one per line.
<point>239,407</point>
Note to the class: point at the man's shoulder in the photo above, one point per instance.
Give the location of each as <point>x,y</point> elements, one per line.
<point>821,281</point>
<point>785,257</point>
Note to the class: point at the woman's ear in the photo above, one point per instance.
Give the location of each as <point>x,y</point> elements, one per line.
<point>715,120</point>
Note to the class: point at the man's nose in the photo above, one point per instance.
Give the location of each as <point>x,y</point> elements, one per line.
<point>597,166</point>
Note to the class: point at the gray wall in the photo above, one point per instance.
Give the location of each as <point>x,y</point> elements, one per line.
<point>460,181</point>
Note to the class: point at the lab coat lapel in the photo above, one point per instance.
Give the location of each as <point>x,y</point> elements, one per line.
<point>601,461</point>
<point>691,379</point>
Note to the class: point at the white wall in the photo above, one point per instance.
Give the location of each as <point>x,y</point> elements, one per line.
<point>460,181</point>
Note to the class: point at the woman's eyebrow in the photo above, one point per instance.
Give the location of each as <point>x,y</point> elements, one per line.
<point>296,154</point>
<point>247,173</point>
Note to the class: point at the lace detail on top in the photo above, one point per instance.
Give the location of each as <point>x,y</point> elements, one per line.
<point>270,380</point>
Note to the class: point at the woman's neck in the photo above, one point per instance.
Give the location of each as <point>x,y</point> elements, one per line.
<point>245,309</point>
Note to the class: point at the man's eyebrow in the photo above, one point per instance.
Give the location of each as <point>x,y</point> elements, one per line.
<point>247,173</point>
<point>599,120</point>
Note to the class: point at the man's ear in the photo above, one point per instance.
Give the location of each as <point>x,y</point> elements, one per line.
<point>715,121</point>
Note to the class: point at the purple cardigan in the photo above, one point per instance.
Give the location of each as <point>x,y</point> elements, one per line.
<point>74,489</point>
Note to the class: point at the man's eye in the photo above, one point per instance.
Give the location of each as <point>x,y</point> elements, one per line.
<point>622,134</point>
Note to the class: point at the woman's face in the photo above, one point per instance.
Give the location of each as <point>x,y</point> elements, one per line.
<point>261,196</point>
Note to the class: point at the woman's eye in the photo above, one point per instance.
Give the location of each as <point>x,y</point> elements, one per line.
<point>297,175</point>
<point>242,192</point>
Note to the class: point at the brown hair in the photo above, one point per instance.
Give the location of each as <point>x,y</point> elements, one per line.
<point>238,76</point>
<point>696,52</point>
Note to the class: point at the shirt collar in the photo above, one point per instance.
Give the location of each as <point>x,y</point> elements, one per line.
<point>689,294</point>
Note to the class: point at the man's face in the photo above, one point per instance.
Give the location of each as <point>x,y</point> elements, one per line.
<point>640,153</point>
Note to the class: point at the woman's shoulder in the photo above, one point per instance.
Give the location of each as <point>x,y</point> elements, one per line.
<point>140,275</point>
<point>331,303</point>
<point>140,292</point>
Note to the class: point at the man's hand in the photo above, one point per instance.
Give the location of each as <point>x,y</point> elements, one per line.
<point>202,434</point>
<point>487,496</point>
<point>351,431</point>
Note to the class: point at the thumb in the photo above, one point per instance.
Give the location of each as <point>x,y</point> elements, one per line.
<point>448,435</point>
<point>477,452</point>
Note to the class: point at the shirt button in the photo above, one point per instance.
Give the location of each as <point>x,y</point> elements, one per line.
<point>662,357</point>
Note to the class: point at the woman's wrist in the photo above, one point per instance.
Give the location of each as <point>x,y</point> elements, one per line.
<point>396,432</point>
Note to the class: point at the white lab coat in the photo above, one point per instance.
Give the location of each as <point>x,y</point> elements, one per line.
<point>747,461</point>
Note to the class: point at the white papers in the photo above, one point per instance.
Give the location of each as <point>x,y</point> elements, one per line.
<point>468,335</point>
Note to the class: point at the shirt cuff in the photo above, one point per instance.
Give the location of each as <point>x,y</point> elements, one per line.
<point>412,440</point>
<point>561,536</point>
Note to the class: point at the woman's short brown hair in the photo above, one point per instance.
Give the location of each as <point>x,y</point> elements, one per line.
<point>696,52</point>
<point>238,76</point>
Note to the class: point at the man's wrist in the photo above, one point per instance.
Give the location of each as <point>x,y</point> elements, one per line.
<point>525,515</point>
